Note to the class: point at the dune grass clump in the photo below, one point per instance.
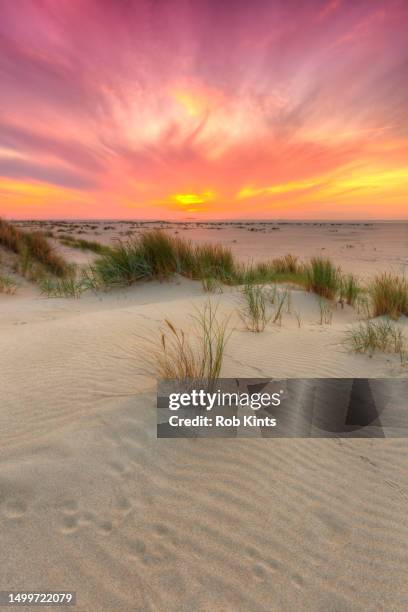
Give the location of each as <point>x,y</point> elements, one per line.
<point>214,260</point>
<point>41,250</point>
<point>285,269</point>
<point>62,287</point>
<point>7,284</point>
<point>10,236</point>
<point>32,247</point>
<point>288,264</point>
<point>159,253</point>
<point>85,245</point>
<point>185,258</point>
<point>323,278</point>
<point>196,356</point>
<point>254,312</point>
<point>389,295</point>
<point>372,336</point>
<point>210,284</point>
<point>124,264</point>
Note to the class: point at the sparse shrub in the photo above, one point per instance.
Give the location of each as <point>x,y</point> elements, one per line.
<point>389,295</point>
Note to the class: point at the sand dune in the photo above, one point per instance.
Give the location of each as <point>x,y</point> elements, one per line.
<point>92,501</point>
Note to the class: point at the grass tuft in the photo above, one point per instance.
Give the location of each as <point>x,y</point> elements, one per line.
<point>85,245</point>
<point>7,284</point>
<point>349,289</point>
<point>254,313</point>
<point>371,336</point>
<point>323,278</point>
<point>32,247</point>
<point>198,356</point>
<point>124,264</point>
<point>389,296</point>
<point>62,287</point>
<point>288,264</point>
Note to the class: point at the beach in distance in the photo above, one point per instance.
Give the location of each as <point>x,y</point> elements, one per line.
<point>92,501</point>
<point>363,247</point>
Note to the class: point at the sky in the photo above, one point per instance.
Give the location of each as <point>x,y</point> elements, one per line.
<point>204,109</point>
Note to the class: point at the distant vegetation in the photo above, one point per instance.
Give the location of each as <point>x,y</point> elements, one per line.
<point>156,255</point>
<point>84,245</point>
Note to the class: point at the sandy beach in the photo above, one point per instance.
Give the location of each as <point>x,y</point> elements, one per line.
<point>92,502</point>
<point>204,199</point>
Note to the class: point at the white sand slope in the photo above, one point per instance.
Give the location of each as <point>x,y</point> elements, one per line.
<point>91,501</point>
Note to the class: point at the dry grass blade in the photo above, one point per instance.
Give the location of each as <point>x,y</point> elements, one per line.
<point>196,356</point>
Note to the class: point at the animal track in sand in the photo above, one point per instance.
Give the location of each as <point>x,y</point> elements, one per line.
<point>260,571</point>
<point>124,506</point>
<point>70,523</point>
<point>69,506</point>
<point>105,527</point>
<point>162,530</point>
<point>14,509</point>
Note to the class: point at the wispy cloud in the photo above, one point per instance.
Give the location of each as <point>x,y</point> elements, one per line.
<point>228,109</point>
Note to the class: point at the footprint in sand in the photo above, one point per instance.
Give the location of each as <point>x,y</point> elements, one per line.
<point>69,523</point>
<point>70,516</point>
<point>105,527</point>
<point>69,506</point>
<point>124,506</point>
<point>14,509</point>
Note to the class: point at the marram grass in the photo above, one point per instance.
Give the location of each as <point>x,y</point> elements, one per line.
<point>389,295</point>
<point>32,248</point>
<point>198,355</point>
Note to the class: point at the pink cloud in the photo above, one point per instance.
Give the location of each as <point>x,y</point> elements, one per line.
<point>132,102</point>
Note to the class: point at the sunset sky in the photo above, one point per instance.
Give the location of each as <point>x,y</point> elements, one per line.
<point>204,109</point>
